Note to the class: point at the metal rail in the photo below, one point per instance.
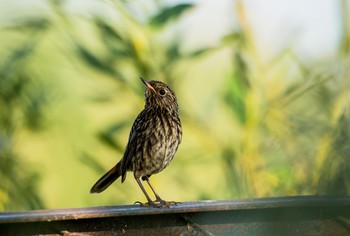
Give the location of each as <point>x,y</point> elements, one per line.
<point>302,215</point>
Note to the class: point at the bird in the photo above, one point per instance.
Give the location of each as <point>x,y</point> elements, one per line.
<point>153,141</point>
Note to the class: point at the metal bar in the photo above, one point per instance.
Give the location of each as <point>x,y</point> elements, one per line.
<point>302,215</point>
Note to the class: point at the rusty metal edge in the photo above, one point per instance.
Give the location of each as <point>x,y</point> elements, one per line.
<point>186,207</point>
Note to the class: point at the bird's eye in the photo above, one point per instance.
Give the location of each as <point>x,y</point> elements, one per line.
<point>162,92</point>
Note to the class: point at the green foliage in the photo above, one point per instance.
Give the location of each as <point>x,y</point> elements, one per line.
<point>168,14</point>
<point>22,105</point>
<point>69,92</point>
<point>334,178</point>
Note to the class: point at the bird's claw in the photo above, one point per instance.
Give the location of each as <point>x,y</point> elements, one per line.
<point>169,203</point>
<point>146,204</point>
<point>159,203</point>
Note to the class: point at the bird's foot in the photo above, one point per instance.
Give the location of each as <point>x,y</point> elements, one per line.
<point>167,203</point>
<point>158,203</point>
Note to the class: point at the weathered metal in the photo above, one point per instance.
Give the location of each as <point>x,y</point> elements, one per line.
<point>302,215</point>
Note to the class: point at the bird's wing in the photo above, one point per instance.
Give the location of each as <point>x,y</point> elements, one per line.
<point>132,145</point>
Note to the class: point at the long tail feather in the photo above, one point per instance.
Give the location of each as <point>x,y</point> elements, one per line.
<point>107,179</point>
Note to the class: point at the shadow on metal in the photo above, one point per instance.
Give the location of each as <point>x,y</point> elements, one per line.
<point>302,215</point>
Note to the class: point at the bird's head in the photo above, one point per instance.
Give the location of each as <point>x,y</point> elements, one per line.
<point>159,95</point>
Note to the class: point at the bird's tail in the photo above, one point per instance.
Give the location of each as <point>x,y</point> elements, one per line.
<point>107,179</point>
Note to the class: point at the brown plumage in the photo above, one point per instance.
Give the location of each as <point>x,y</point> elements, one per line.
<point>153,141</point>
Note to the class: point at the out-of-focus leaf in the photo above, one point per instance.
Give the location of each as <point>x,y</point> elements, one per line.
<point>173,52</point>
<point>112,39</point>
<point>200,52</point>
<point>99,63</point>
<point>11,87</point>
<point>34,105</point>
<point>169,13</point>
<point>236,89</point>
<point>29,24</point>
<point>93,60</point>
<point>107,30</point>
<point>234,98</point>
<point>234,37</point>
<point>15,58</point>
<point>90,161</point>
<point>106,136</point>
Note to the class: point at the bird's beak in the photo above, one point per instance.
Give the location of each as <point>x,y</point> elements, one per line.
<point>148,85</point>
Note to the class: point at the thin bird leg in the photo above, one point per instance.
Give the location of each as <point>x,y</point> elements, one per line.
<point>158,198</point>
<point>143,190</point>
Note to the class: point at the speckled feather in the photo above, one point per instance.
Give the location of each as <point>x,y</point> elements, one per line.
<point>154,139</point>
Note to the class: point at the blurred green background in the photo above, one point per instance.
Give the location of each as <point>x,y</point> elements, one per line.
<point>261,118</point>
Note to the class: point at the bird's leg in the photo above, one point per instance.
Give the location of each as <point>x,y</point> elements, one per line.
<point>150,202</point>
<point>158,198</point>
